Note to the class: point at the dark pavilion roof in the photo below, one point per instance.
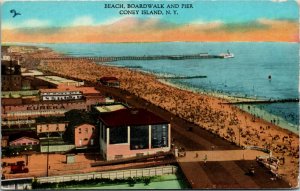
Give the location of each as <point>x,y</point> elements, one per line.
<point>109,78</point>
<point>131,117</point>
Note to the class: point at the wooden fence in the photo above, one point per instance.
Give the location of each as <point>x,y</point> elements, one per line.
<point>120,174</point>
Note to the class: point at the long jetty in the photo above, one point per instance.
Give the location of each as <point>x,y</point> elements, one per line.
<point>181,77</point>
<point>266,101</point>
<point>154,57</point>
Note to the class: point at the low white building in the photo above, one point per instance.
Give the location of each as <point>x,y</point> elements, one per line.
<point>60,95</point>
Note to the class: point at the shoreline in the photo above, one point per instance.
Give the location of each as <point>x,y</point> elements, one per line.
<point>227,121</point>
<point>284,124</point>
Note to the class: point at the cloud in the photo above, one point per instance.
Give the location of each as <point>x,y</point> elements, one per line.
<point>279,1</point>
<point>202,22</point>
<point>30,23</point>
<point>207,24</point>
<point>272,22</point>
<point>83,21</point>
<point>131,29</point>
<point>113,20</point>
<point>245,26</point>
<point>34,23</point>
<point>6,25</point>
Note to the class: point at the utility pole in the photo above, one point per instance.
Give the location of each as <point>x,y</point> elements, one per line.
<point>239,136</point>
<point>48,159</point>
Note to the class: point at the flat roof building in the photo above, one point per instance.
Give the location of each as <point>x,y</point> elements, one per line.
<point>56,80</point>
<point>109,108</point>
<point>52,102</point>
<point>32,73</point>
<point>132,132</point>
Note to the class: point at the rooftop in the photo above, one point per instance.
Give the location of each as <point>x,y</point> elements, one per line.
<point>78,117</point>
<point>29,134</point>
<point>57,80</point>
<point>109,79</point>
<point>64,88</point>
<point>51,119</point>
<point>131,117</point>
<point>31,73</point>
<point>109,108</point>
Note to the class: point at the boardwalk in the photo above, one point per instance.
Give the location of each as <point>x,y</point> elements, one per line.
<point>225,169</point>
<point>220,155</point>
<point>229,175</point>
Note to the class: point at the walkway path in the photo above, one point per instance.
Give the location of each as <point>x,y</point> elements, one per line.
<point>220,155</point>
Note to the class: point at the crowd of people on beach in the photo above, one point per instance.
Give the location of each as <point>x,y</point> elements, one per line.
<point>215,114</point>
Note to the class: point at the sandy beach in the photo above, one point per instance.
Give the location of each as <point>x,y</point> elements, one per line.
<point>207,111</point>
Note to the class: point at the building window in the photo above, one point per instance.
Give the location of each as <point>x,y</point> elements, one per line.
<point>79,130</point>
<point>159,136</point>
<point>86,130</point>
<point>139,137</point>
<point>118,135</point>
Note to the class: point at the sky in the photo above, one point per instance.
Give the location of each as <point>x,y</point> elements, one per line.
<point>208,20</point>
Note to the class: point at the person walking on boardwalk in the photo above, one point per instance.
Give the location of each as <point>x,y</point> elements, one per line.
<point>205,159</point>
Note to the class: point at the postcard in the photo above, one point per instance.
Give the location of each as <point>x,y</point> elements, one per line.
<point>189,94</point>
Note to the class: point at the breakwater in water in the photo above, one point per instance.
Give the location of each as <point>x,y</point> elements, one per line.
<point>266,101</point>
<point>180,77</point>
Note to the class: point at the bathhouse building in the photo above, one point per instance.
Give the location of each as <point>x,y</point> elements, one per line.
<point>132,132</point>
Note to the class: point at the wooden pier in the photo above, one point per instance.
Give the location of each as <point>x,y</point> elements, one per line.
<point>154,57</point>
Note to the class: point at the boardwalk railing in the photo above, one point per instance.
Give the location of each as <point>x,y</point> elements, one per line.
<point>17,184</point>
<point>120,174</point>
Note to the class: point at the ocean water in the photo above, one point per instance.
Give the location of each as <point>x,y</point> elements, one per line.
<point>246,75</point>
